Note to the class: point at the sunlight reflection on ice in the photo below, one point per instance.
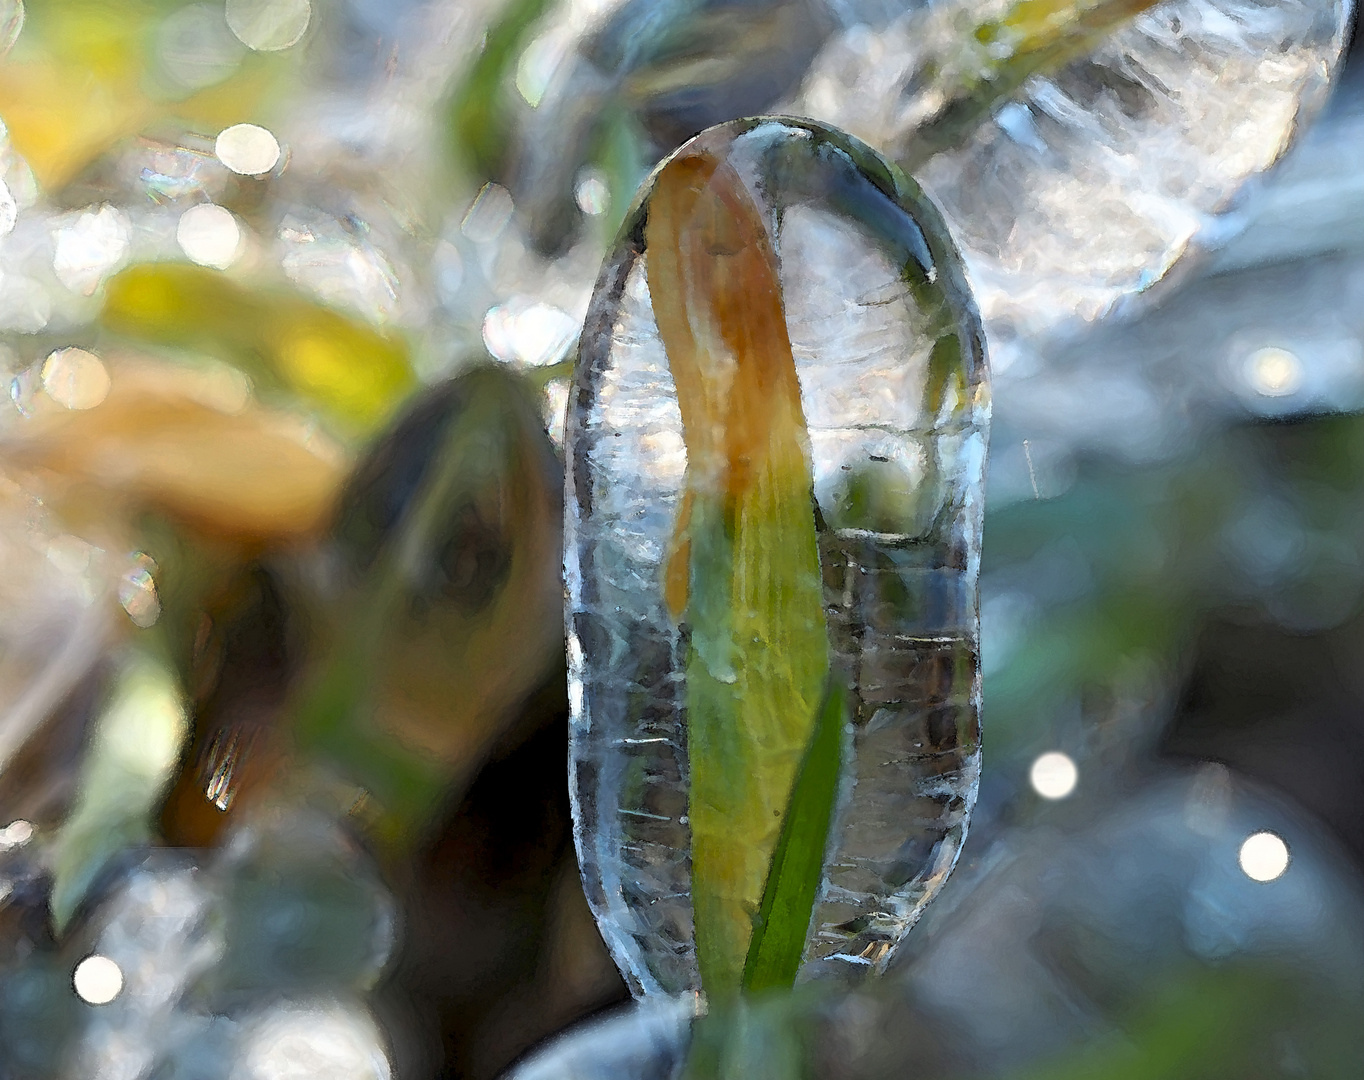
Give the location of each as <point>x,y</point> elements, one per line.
<point>293,1042</point>
<point>89,247</point>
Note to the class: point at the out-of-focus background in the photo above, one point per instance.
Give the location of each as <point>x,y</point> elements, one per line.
<point>282,717</point>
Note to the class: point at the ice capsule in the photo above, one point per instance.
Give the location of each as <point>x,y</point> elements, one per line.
<point>776,443</point>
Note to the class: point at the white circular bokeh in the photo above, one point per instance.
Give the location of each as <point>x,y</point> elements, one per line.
<point>1053,775</point>
<point>209,235</point>
<point>1264,856</point>
<point>1274,372</point>
<point>247,149</point>
<point>98,980</point>
<point>269,25</point>
<point>75,378</point>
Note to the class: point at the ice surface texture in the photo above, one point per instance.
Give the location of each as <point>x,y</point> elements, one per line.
<point>1092,183</point>
<point>894,392</point>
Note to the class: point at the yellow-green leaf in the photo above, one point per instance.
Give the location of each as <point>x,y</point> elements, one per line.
<point>135,746</point>
<point>744,574</point>
<point>355,372</point>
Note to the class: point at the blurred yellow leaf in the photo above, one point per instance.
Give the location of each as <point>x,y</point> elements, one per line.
<point>190,444</point>
<point>356,372</point>
<point>353,371</point>
<point>59,120</point>
<point>79,80</point>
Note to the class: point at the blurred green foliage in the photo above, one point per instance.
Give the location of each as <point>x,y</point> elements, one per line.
<point>1130,562</point>
<point>478,113</point>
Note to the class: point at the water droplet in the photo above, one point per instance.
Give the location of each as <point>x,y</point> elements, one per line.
<point>797,257</point>
<point>16,834</point>
<point>1053,775</point>
<point>209,235</point>
<point>98,980</point>
<point>1264,856</point>
<point>269,25</point>
<point>75,378</point>
<point>247,149</point>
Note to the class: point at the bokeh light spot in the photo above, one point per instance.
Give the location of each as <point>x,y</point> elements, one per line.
<point>1264,856</point>
<point>247,149</point>
<point>209,235</point>
<point>1274,372</point>
<point>536,66</point>
<point>269,25</point>
<point>1053,775</point>
<point>137,594</point>
<point>9,210</point>
<point>556,410</point>
<point>75,378</point>
<point>195,49</point>
<point>90,247</point>
<point>592,195</point>
<point>536,335</point>
<point>98,980</point>
<point>296,1043</point>
<point>488,214</point>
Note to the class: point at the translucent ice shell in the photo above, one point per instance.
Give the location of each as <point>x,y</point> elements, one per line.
<point>797,415</point>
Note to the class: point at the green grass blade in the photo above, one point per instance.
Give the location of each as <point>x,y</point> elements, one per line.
<point>798,861</point>
<point>478,112</point>
<point>136,741</point>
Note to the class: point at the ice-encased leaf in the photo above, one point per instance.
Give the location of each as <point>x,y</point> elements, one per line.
<point>1091,183</point>
<point>887,351</point>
